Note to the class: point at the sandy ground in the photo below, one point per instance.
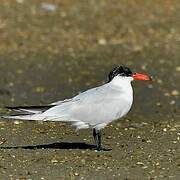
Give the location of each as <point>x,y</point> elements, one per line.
<point>51,50</point>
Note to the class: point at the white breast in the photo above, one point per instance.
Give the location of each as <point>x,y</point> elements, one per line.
<point>123,85</point>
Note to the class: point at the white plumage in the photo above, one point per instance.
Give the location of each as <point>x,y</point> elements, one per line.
<point>94,108</point>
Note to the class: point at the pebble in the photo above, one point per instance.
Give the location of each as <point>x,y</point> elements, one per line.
<point>3,141</point>
<point>39,89</point>
<point>20,1</point>
<point>172,129</point>
<point>48,7</point>
<point>109,137</point>
<point>148,141</point>
<point>150,86</point>
<point>137,48</point>
<point>140,163</point>
<point>159,81</point>
<point>178,68</point>
<point>17,122</point>
<point>83,161</point>
<point>158,104</point>
<point>76,174</point>
<point>172,102</point>
<point>102,41</point>
<point>144,167</point>
<point>54,161</point>
<point>175,92</point>
<point>157,164</point>
<point>166,94</point>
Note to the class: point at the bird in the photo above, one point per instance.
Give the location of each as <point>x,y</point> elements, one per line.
<point>92,109</point>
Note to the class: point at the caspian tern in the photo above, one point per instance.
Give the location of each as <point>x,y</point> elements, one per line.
<point>94,108</point>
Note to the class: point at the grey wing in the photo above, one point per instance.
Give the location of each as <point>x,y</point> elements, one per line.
<point>99,105</point>
<point>90,94</point>
<point>66,106</point>
<point>92,107</point>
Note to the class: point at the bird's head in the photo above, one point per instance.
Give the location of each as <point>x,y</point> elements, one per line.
<point>123,71</point>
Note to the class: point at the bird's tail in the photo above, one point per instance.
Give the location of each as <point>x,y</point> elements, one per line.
<point>30,109</point>
<point>23,117</point>
<point>36,113</point>
<point>28,112</point>
<point>39,117</point>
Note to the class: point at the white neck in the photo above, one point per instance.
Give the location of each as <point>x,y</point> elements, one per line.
<point>120,81</point>
<point>122,84</point>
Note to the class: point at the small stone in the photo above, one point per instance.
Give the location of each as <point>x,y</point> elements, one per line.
<point>3,141</point>
<point>11,84</point>
<point>83,161</point>
<point>54,161</point>
<point>76,174</point>
<point>172,102</point>
<point>159,81</point>
<point>144,66</point>
<point>63,14</point>
<point>140,163</point>
<point>150,86</point>
<point>177,126</point>
<point>178,68</point>
<point>144,167</point>
<point>48,7</point>
<point>157,164</point>
<point>137,48</point>
<point>175,93</point>
<point>172,129</point>
<point>19,71</point>
<point>39,89</point>
<point>165,129</point>
<point>102,41</point>
<point>109,137</point>
<point>20,1</point>
<point>119,125</point>
<point>158,104</point>
<point>166,94</point>
<point>17,122</point>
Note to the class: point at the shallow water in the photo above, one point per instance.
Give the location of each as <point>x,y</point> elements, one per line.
<point>51,55</point>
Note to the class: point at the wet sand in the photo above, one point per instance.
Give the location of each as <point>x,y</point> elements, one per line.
<point>49,53</point>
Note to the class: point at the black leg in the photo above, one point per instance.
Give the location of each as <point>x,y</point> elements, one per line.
<point>94,135</point>
<point>97,138</point>
<point>99,147</point>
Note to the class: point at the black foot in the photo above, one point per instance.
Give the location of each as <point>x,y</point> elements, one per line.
<point>102,149</point>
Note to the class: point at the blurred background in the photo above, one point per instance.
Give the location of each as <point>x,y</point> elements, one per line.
<point>54,49</point>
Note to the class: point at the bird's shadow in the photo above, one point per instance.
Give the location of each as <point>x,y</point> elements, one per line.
<point>57,145</point>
